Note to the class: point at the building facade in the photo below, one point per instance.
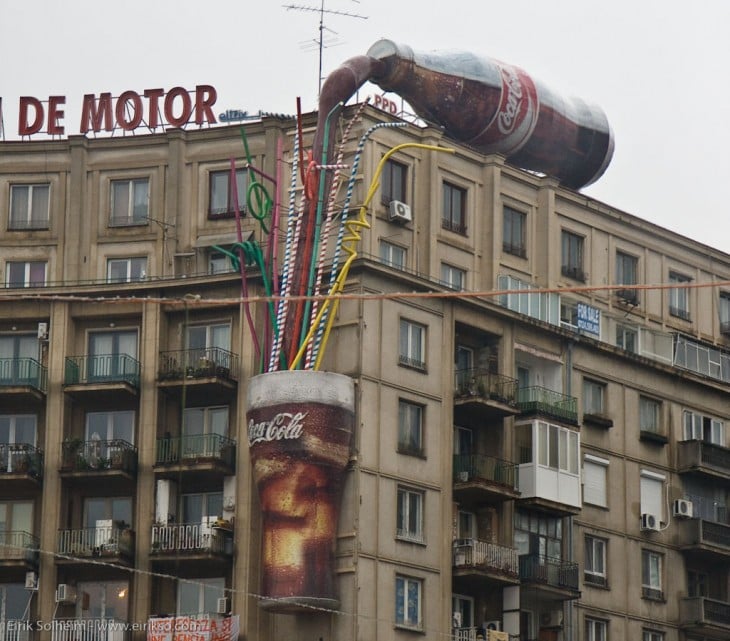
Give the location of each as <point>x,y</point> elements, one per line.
<point>540,443</point>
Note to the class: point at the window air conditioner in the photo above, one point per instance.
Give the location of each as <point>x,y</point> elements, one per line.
<point>65,593</point>
<point>31,581</point>
<point>222,605</point>
<point>497,635</point>
<point>493,625</point>
<point>649,522</point>
<point>682,508</point>
<point>399,212</point>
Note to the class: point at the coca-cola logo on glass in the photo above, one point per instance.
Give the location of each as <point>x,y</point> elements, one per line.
<point>285,426</point>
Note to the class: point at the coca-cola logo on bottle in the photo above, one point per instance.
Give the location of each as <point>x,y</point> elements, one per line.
<point>284,426</point>
<point>512,98</point>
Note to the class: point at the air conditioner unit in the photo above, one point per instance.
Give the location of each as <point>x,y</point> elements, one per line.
<point>496,635</point>
<point>682,508</point>
<point>31,581</point>
<point>493,625</point>
<point>399,212</point>
<point>551,619</point>
<point>650,522</point>
<point>65,593</point>
<point>222,605</point>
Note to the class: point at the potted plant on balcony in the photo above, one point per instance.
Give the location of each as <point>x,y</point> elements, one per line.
<point>73,457</point>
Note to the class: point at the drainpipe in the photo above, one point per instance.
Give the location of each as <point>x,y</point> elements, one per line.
<point>570,615</point>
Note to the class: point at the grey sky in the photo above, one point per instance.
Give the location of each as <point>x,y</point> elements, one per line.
<point>657,68</point>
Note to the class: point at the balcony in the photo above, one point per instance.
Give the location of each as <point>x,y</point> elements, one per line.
<point>113,543</point>
<point>548,403</point>
<point>103,375</point>
<point>193,542</point>
<point>703,458</point>
<point>17,630</point>
<point>707,539</point>
<point>21,464</point>
<point>705,618</point>
<point>557,579</point>
<point>24,378</point>
<point>478,477</point>
<point>480,394</point>
<point>206,373</point>
<point>476,561</point>
<point>95,629</point>
<point>195,454</point>
<point>112,461</point>
<point>18,549</point>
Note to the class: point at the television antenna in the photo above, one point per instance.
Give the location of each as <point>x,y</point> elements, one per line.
<point>321,40</point>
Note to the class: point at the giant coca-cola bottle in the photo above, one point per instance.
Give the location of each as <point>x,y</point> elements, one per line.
<point>498,108</point>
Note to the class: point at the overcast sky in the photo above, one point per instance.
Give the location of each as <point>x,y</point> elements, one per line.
<point>657,68</point>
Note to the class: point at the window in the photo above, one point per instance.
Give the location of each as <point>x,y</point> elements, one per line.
<point>627,337</point>
<point>393,182</point>
<point>393,255</point>
<point>410,428</point>
<point>652,635</point>
<point>626,274</point>
<point>129,202</point>
<point>649,415</point>
<point>219,263</point>
<point>595,560</point>
<point>569,314</point>
<point>15,516</point>
<point>595,630</point>
<point>409,519</point>
<point>703,428</point>
<point>462,608</point>
<point>18,359</point>
<point>199,596</point>
<point>557,448</point>
<point>412,344</point>
<point>539,535</point>
<point>112,355</point>
<point>724,309</point>
<point>25,273</point>
<point>29,206</point>
<point>594,394</point>
<point>466,525</point>
<point>408,607</point>
<point>222,203</point>
<point>453,277</point>
<point>651,575</point>
<point>126,270</point>
<point>679,297</point>
<point>697,584</point>
<point>103,600</point>
<point>572,256</point>
<point>453,216</point>
<point>652,494</point>
<point>102,513</point>
<point>202,429</point>
<point>513,232</point>
<point>110,426</point>
<point>18,429</point>
<point>595,471</point>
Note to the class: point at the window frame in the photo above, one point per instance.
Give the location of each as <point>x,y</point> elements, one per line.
<point>242,185</point>
<point>656,428</point>
<point>595,387</point>
<point>723,310</point>
<point>412,344</point>
<point>652,635</point>
<point>679,296</point>
<point>595,629</point>
<point>453,211</point>
<point>393,182</point>
<point>702,427</point>
<point>652,567</point>
<point>402,615</point>
<point>572,254</point>
<point>131,218</point>
<point>410,428</point>
<point>28,268</point>
<point>593,492</point>
<point>514,235</point>
<point>622,332</point>
<point>409,526</point>
<point>595,552</point>
<point>627,273</point>
<point>27,222</point>
<point>652,492</point>
<point>453,277</point>
<point>132,265</point>
<point>389,251</point>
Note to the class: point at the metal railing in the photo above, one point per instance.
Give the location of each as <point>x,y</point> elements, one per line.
<point>204,362</point>
<point>102,368</point>
<point>93,629</point>
<point>481,383</point>
<point>535,568</point>
<point>470,467</point>
<point>84,456</point>
<point>18,545</point>
<point>112,540</point>
<point>23,371</point>
<point>16,630</point>
<point>474,553</point>
<point>701,610</point>
<point>698,453</point>
<point>173,449</point>
<point>21,458</point>
<point>187,537</point>
<point>548,402</point>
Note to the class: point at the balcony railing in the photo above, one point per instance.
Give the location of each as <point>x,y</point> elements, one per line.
<point>16,545</point>
<point>701,532</point>
<point>102,540</point>
<point>481,383</point>
<point>174,449</point>
<point>535,568</point>
<point>21,458</point>
<point>198,363</point>
<point>85,456</point>
<point>697,611</point>
<point>97,629</point>
<point>490,556</point>
<point>698,454</point>
<point>189,538</point>
<point>464,634</point>
<point>470,467</point>
<point>548,402</point>
<point>23,371</point>
<point>102,368</point>
<point>16,630</point>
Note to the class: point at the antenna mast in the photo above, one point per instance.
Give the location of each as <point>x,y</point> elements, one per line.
<point>321,10</point>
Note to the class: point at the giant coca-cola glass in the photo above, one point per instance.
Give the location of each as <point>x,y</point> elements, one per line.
<point>299,431</point>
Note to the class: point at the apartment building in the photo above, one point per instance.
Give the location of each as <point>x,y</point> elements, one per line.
<point>540,444</point>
